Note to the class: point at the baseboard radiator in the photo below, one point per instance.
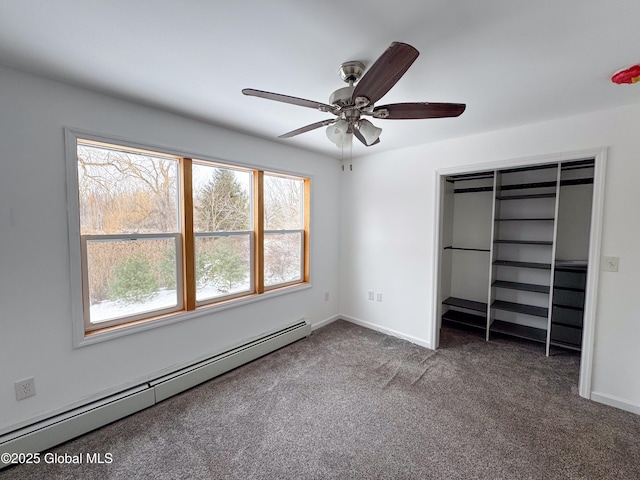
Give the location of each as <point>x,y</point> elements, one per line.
<point>60,428</point>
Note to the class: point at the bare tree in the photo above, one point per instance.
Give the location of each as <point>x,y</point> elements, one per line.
<point>282,203</point>
<point>126,192</point>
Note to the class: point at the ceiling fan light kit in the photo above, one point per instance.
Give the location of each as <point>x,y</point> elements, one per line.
<point>338,133</point>
<point>350,103</point>
<point>369,131</point>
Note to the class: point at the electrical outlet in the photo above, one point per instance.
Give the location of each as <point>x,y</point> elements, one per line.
<point>25,388</point>
<point>610,264</point>
<point>370,294</point>
<point>379,296</point>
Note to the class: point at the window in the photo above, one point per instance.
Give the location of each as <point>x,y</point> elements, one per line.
<point>162,233</point>
<point>223,227</point>
<point>130,241</point>
<point>283,230</point>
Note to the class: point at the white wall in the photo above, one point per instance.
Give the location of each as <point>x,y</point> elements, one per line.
<point>35,305</point>
<point>388,237</point>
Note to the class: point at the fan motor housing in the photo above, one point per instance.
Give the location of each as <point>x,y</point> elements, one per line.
<point>342,96</point>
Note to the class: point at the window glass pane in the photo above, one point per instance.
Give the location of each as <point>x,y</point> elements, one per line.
<point>129,277</point>
<point>221,199</point>
<point>222,266</point>
<point>282,258</point>
<point>125,192</point>
<point>283,203</point>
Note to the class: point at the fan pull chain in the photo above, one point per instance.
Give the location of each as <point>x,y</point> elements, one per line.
<point>342,157</point>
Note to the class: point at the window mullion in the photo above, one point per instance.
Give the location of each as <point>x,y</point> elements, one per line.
<point>258,229</point>
<point>188,242</point>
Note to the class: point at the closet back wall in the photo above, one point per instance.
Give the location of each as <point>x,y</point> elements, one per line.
<point>471,241</point>
<point>575,220</point>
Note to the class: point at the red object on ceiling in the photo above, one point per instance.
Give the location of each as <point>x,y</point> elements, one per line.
<point>629,75</point>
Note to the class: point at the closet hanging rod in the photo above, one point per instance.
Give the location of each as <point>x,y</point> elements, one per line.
<point>451,247</point>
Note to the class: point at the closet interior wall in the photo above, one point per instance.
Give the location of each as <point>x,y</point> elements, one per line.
<point>467,240</point>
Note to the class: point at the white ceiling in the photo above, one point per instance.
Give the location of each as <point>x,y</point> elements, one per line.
<point>511,61</point>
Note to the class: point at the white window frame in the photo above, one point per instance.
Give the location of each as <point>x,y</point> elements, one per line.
<point>288,231</point>
<point>252,289</point>
<point>301,272</point>
<point>84,239</point>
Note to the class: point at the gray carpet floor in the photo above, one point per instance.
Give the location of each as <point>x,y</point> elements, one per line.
<point>351,403</point>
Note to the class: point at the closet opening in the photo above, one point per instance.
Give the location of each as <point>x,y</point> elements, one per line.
<point>518,253</point>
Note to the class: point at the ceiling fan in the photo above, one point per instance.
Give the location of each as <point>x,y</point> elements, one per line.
<point>350,104</point>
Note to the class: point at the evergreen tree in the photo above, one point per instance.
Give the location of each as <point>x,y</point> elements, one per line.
<point>222,205</point>
<point>222,267</point>
<point>133,280</point>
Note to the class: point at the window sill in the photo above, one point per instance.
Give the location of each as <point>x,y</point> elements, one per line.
<point>109,333</point>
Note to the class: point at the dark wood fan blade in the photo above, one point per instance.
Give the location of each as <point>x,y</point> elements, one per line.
<point>359,136</point>
<point>288,99</point>
<point>405,111</point>
<point>385,72</point>
<point>308,128</point>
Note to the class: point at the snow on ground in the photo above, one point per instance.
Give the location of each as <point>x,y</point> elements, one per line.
<point>160,300</point>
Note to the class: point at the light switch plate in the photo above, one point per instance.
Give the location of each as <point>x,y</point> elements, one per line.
<point>610,264</point>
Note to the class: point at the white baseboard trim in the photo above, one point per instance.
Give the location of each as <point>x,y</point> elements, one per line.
<point>325,322</point>
<point>46,433</point>
<point>387,331</point>
<point>616,402</point>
